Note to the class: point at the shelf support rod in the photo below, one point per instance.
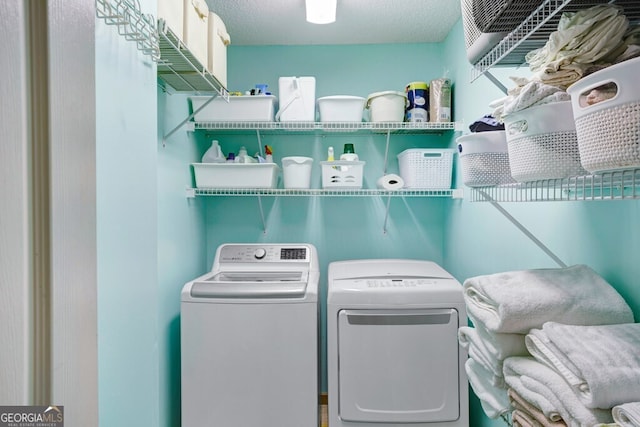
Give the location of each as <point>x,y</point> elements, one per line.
<point>386,152</point>
<point>496,82</point>
<point>522,228</point>
<point>259,143</point>
<point>182,123</point>
<point>264,224</point>
<point>386,216</point>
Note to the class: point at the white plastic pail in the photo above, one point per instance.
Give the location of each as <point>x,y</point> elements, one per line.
<point>297,171</point>
<point>387,106</point>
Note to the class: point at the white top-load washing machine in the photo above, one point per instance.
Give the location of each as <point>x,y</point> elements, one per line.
<point>392,345</point>
<point>249,339</point>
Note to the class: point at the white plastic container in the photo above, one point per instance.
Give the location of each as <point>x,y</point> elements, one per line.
<point>606,107</point>
<point>484,159</point>
<point>235,175</point>
<point>426,168</point>
<point>342,174</point>
<point>542,143</point>
<point>296,171</point>
<point>341,108</point>
<point>297,99</point>
<point>218,41</point>
<point>172,11</point>
<point>387,106</point>
<point>196,29</point>
<point>258,108</point>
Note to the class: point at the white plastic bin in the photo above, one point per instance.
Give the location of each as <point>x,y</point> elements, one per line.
<point>172,11</point>
<point>484,159</point>
<point>196,29</point>
<point>387,106</point>
<point>426,168</point>
<point>258,108</point>
<point>342,174</point>
<point>297,99</point>
<point>542,143</point>
<point>341,108</point>
<point>235,175</point>
<point>218,41</point>
<point>296,171</point>
<point>606,107</point>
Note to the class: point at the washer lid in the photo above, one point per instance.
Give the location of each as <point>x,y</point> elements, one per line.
<point>251,284</point>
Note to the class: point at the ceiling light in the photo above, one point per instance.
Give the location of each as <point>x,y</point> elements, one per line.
<point>321,11</point>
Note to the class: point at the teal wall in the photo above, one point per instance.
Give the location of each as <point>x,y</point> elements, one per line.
<point>152,239</point>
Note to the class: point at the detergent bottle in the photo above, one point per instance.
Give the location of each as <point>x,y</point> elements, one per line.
<point>214,154</point>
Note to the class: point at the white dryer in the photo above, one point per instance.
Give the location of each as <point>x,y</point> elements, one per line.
<point>249,339</point>
<point>393,356</point>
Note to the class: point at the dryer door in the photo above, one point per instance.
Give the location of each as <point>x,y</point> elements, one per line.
<point>398,365</point>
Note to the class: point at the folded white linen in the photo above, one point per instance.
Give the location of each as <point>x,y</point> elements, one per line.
<point>601,363</point>
<point>546,389</point>
<point>468,339</point>
<point>517,301</point>
<point>501,345</point>
<point>494,400</point>
<point>627,414</point>
<point>525,407</point>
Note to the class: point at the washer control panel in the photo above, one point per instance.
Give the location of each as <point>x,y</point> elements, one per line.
<point>233,253</point>
<point>398,283</point>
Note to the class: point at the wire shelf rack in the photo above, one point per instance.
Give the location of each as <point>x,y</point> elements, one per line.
<point>343,192</point>
<point>314,127</point>
<point>615,185</point>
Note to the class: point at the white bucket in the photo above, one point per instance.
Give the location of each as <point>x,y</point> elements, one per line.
<point>297,99</point>
<point>387,106</point>
<point>297,171</point>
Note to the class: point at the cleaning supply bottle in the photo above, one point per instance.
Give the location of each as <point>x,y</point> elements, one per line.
<point>242,155</point>
<point>268,151</point>
<point>330,156</point>
<point>349,153</point>
<point>213,154</point>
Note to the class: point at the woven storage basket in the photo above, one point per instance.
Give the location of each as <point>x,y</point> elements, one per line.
<point>542,143</point>
<point>609,130</point>
<point>484,159</point>
<point>426,168</point>
<point>502,15</point>
<point>476,42</point>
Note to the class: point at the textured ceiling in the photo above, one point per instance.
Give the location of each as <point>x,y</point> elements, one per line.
<point>282,22</point>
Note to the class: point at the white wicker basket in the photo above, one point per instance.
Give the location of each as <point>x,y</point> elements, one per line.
<point>484,159</point>
<point>426,168</point>
<point>542,143</point>
<point>609,130</point>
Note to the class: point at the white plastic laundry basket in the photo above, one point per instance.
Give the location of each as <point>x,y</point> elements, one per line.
<point>484,159</point>
<point>426,168</point>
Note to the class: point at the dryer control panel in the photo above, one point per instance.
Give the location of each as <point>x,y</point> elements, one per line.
<point>264,253</point>
<point>398,283</point>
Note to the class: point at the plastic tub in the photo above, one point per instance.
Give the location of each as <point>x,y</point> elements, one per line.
<point>235,175</point>
<point>387,106</point>
<point>606,107</point>
<point>426,168</point>
<point>258,108</point>
<point>296,171</point>
<point>484,159</point>
<point>341,108</point>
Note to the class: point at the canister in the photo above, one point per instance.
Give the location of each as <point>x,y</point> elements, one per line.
<point>418,96</point>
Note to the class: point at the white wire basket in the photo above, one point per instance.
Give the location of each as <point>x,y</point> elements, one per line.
<point>606,106</point>
<point>426,168</point>
<point>542,143</point>
<point>484,159</point>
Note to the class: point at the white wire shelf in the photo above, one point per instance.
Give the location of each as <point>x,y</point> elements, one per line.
<point>321,127</point>
<point>615,185</point>
<point>345,192</point>
<point>534,31</point>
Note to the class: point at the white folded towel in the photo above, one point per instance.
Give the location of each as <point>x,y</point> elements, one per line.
<point>517,301</point>
<point>547,390</point>
<point>601,363</point>
<point>502,345</point>
<point>627,414</point>
<point>494,400</point>
<point>468,339</point>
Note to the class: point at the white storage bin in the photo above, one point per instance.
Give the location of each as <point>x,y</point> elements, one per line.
<point>219,39</point>
<point>258,108</point>
<point>484,159</point>
<point>172,11</point>
<point>387,106</point>
<point>342,174</point>
<point>426,168</point>
<point>196,29</point>
<point>606,107</point>
<point>297,99</point>
<point>296,171</point>
<point>542,143</point>
<point>341,108</point>
<point>235,175</point>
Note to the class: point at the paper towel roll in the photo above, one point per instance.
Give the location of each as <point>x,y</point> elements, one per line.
<point>390,182</point>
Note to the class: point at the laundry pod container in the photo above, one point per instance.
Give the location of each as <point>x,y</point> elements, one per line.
<point>606,107</point>
<point>484,159</point>
<point>341,108</point>
<point>542,143</point>
<point>297,171</point>
<point>387,106</point>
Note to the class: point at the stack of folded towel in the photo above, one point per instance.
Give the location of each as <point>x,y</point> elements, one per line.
<point>504,309</point>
